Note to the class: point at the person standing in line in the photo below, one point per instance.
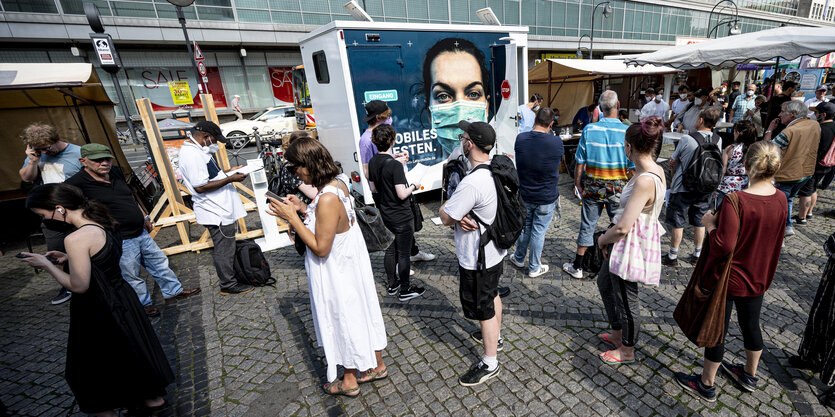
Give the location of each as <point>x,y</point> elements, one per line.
<point>679,106</point>
<point>217,205</point>
<point>735,178</point>
<point>101,181</point>
<point>755,115</point>
<point>527,113</point>
<point>823,175</point>
<point>478,289</point>
<point>601,158</point>
<point>640,206</point>
<point>799,142</point>
<point>820,97</point>
<point>688,119</point>
<point>743,103</point>
<point>236,107</point>
<point>684,204</point>
<point>49,160</point>
<point>378,113</point>
<point>538,154</point>
<point>754,236</point>
<point>388,181</point>
<point>343,299</point>
<point>735,92</point>
<point>775,105</point>
<point>114,359</point>
<point>657,107</point>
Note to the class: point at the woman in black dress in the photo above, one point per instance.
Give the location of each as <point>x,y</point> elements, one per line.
<point>114,359</point>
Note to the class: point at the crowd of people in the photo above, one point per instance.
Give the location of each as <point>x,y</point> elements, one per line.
<point>738,199</point>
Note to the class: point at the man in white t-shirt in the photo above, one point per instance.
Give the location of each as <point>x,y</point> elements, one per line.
<point>478,289</point>
<point>216,203</point>
<point>679,105</point>
<point>656,107</point>
<point>236,107</point>
<point>820,97</point>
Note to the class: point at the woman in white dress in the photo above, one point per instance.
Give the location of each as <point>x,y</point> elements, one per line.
<point>343,298</point>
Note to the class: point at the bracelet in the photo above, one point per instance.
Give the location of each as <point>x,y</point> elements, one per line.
<point>147,218</point>
<point>767,131</point>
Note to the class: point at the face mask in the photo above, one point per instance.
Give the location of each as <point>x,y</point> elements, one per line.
<point>556,118</point>
<point>445,118</point>
<point>683,96</point>
<point>536,108</point>
<point>658,98</point>
<point>206,149</point>
<point>749,93</point>
<point>697,102</point>
<point>388,121</point>
<point>58,225</point>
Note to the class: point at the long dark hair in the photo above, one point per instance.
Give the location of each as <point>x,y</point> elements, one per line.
<point>747,134</point>
<point>48,196</point>
<point>309,153</point>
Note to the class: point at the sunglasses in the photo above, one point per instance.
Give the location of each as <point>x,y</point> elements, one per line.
<point>291,168</point>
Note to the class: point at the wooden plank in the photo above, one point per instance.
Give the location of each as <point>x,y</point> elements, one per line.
<point>197,246</point>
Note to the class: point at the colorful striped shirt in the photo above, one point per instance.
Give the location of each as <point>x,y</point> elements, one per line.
<point>601,149</point>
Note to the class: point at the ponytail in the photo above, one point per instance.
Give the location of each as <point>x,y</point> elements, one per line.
<point>48,196</point>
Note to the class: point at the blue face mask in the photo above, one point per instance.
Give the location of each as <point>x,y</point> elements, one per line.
<point>445,118</point>
<point>388,121</point>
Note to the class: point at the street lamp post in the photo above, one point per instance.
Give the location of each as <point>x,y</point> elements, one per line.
<point>179,4</point>
<point>733,23</point>
<point>607,12</point>
<point>579,51</point>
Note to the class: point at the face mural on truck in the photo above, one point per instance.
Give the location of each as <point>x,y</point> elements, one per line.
<point>430,81</point>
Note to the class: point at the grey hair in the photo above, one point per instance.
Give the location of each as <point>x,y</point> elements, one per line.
<point>761,97</point>
<point>796,107</point>
<point>608,102</point>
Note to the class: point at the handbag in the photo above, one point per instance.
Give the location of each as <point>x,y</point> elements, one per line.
<point>700,313</point>
<point>377,236</point>
<point>416,213</point>
<point>637,256</point>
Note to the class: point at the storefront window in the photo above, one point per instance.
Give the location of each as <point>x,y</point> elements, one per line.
<point>30,6</point>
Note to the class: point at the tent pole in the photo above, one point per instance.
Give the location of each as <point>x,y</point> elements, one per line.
<point>549,84</point>
<point>81,120</point>
<point>773,82</point>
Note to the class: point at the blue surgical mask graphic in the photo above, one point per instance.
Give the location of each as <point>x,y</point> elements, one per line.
<point>445,118</point>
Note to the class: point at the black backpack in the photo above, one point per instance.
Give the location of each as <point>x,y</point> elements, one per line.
<point>704,172</point>
<point>250,265</point>
<point>510,212</point>
<point>454,172</point>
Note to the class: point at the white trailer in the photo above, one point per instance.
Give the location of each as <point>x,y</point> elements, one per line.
<point>430,75</point>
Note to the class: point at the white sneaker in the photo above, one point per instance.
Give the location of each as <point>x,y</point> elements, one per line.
<point>411,272</point>
<point>789,231</point>
<point>516,263</point>
<point>422,256</point>
<point>568,267</point>
<point>542,270</point>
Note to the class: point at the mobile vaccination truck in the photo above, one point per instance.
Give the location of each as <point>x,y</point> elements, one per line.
<point>430,75</point>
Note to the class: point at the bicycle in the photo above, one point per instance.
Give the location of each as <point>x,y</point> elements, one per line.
<point>270,152</point>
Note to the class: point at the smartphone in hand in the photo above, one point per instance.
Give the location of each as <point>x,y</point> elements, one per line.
<point>272,195</point>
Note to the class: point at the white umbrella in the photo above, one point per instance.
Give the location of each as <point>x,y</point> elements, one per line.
<point>785,42</point>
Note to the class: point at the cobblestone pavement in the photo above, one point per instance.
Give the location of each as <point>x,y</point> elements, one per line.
<point>255,354</point>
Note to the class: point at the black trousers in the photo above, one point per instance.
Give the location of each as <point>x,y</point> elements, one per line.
<point>620,298</point>
<point>396,261</point>
<point>748,315</point>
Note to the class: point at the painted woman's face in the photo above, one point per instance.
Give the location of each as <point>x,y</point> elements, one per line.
<point>456,76</point>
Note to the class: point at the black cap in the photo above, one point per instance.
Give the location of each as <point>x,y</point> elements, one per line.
<point>210,128</point>
<point>374,108</point>
<point>825,107</point>
<point>482,134</point>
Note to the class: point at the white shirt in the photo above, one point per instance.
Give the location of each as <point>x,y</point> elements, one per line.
<point>811,103</point>
<point>654,108</point>
<point>679,105</point>
<point>476,193</point>
<point>218,207</point>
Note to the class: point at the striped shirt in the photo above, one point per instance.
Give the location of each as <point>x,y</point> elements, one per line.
<point>601,150</point>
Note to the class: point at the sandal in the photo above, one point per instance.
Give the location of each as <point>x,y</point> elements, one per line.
<point>607,357</point>
<point>352,392</point>
<point>605,337</point>
<point>370,375</point>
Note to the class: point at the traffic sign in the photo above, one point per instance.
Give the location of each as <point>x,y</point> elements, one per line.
<point>205,79</point>
<point>505,89</point>
<point>201,67</point>
<point>198,54</point>
<point>102,46</point>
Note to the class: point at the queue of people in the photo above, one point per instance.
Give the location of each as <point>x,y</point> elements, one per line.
<point>739,226</point>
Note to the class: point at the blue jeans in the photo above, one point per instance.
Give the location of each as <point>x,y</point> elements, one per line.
<point>533,234</point>
<point>589,214</point>
<point>143,251</point>
<point>790,189</point>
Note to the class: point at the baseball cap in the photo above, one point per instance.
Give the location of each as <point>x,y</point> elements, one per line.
<point>825,107</point>
<point>821,88</point>
<point>482,134</point>
<point>210,128</point>
<point>95,151</point>
<point>374,108</point>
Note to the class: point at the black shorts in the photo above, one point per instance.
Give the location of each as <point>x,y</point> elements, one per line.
<point>814,184</point>
<point>686,206</point>
<point>478,289</point>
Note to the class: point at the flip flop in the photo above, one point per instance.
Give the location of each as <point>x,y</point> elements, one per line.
<point>605,337</point>
<point>353,392</point>
<point>370,375</point>
<point>607,358</point>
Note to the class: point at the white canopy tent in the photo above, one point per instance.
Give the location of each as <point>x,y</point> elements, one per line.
<point>568,83</point>
<point>788,42</point>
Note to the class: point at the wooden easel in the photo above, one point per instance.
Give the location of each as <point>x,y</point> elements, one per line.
<point>170,210</point>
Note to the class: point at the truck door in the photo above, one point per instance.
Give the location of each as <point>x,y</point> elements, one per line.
<point>376,70</point>
<point>503,78</point>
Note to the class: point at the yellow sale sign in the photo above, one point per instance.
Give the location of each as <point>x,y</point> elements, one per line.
<point>180,92</point>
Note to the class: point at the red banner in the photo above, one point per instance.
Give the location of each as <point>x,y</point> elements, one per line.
<point>153,83</point>
<point>281,79</point>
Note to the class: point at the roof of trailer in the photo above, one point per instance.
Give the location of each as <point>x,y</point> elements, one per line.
<point>426,27</point>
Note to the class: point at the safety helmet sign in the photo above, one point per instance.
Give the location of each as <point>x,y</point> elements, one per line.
<point>505,89</point>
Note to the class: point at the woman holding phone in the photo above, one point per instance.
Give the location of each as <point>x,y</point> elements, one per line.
<point>343,298</point>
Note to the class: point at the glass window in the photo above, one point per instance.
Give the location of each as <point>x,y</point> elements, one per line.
<point>168,11</point>
<point>77,6</point>
<point>511,12</point>
<point>284,5</point>
<point>246,15</point>
<point>320,66</point>
<point>215,13</point>
<point>316,19</point>
<point>585,17</point>
<point>417,9</point>
<point>394,8</point>
<point>498,9</point>
<point>30,6</point>
<point>572,11</point>
<point>287,17</point>
<point>233,83</point>
<point>543,15</point>
<point>260,89</point>
<point>474,6</point>
<point>655,25</point>
<point>438,10</point>
<point>459,10</point>
<point>315,6</point>
<point>373,7</point>
<point>617,21</point>
<point>225,3</point>
<point>528,13</point>
<point>251,4</point>
<point>558,15</point>
<point>133,9</point>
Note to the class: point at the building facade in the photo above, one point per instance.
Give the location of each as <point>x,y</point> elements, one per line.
<point>250,45</point>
